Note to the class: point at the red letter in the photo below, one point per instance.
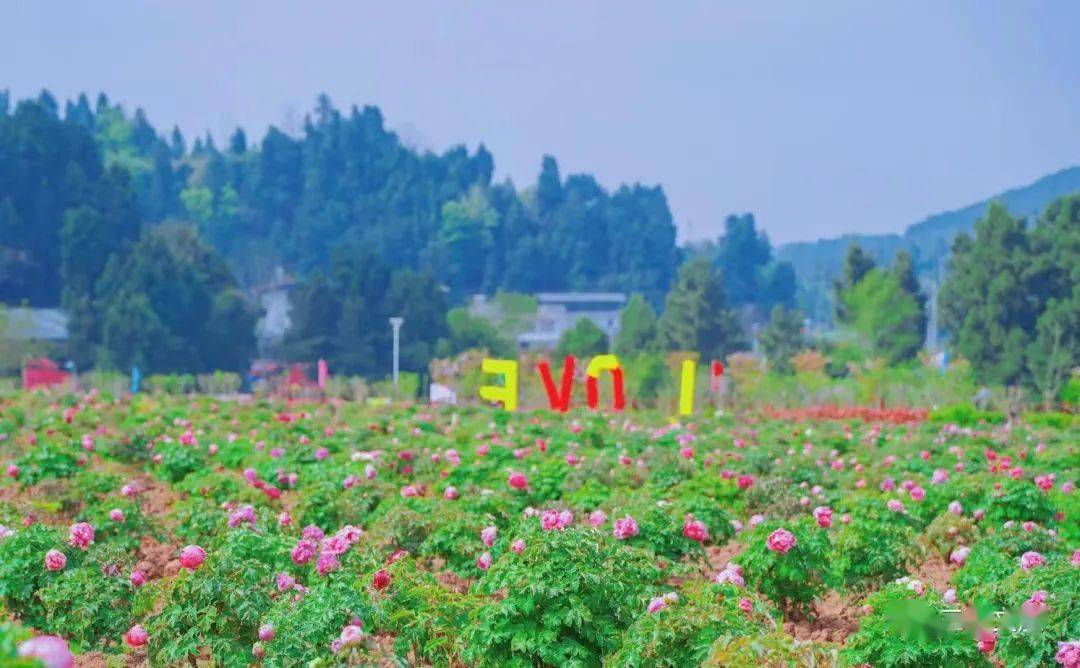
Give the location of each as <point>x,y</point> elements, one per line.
<point>558,402</point>
<point>717,371</point>
<point>592,391</point>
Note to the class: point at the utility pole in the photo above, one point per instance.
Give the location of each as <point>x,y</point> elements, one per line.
<point>396,323</point>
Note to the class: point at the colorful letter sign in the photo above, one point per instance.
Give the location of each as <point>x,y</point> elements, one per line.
<point>686,387</point>
<point>592,391</point>
<point>507,392</point>
<point>558,401</point>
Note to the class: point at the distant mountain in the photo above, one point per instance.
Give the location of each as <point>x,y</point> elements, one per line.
<point>817,262</point>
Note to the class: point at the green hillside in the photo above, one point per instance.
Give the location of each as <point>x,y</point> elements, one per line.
<point>817,262</point>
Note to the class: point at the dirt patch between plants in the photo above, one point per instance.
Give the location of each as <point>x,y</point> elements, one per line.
<point>836,619</point>
<point>156,499</point>
<point>934,572</point>
<point>136,659</point>
<point>155,558</point>
<point>718,556</point>
<point>453,582</point>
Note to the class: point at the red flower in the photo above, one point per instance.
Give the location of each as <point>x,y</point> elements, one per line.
<point>381,579</point>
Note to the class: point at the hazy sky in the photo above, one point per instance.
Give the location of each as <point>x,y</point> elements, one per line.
<point>820,117</point>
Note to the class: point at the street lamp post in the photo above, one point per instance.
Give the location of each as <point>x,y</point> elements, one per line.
<point>396,324</point>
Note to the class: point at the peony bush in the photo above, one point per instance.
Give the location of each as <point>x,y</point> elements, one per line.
<point>172,530</point>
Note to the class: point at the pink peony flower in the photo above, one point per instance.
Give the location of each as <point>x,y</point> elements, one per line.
<point>895,506</point>
<point>243,515</point>
<point>949,596</point>
<point>823,515</point>
<point>13,471</point>
<point>335,545</point>
<point>625,527</point>
<point>284,581</point>
<point>1045,482</point>
<point>192,556</point>
<point>52,651</point>
<point>597,518</point>
<point>266,632</point>
<point>135,636</point>
<point>549,520</point>
<point>483,562</point>
<point>917,493</point>
<point>1036,604</point>
<point>327,563</point>
<point>914,585</point>
<point>1029,560</point>
<point>1068,654</point>
<point>656,604</point>
<point>986,641</point>
<point>284,519</point>
<point>450,493</point>
<point>350,636</point>
<point>959,555</point>
<point>55,560</point>
<point>517,480</point>
<point>116,515</point>
<point>81,535</point>
<point>566,518</point>
<point>518,546</point>
<point>137,578</point>
<point>746,605</point>
<point>695,530</point>
<point>488,535</point>
<point>940,477</point>
<point>955,508</point>
<point>781,541</point>
<point>732,574</point>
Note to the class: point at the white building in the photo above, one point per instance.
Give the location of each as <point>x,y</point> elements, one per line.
<point>274,299</point>
<point>557,312</point>
<point>20,323</point>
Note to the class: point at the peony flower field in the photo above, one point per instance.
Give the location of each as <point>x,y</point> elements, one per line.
<point>168,531</point>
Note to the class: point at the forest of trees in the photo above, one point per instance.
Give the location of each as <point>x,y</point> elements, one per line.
<point>344,205</point>
<point>155,246</point>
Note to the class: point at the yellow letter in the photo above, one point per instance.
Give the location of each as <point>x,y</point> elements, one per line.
<point>507,392</point>
<point>686,387</point>
<point>601,363</point>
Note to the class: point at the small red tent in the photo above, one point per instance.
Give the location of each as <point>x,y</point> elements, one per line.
<point>43,372</point>
<point>298,376</point>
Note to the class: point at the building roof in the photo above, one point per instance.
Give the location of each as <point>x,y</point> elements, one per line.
<point>574,297</point>
<point>34,324</point>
